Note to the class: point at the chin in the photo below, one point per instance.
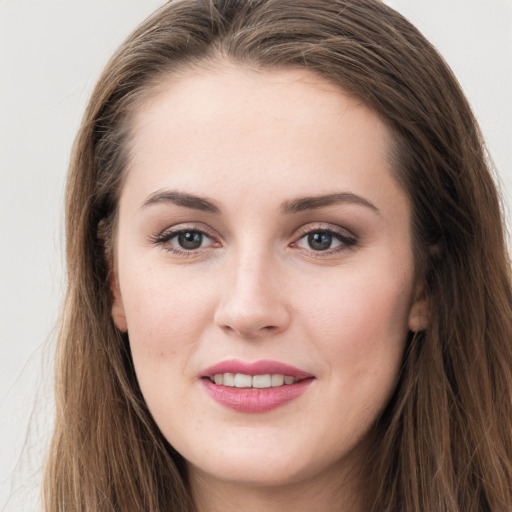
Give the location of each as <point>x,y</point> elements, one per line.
<point>271,464</point>
<point>259,472</point>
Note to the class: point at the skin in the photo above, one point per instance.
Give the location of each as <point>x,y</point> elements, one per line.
<point>251,142</point>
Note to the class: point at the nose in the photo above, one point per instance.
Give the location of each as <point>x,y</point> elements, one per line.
<point>253,302</point>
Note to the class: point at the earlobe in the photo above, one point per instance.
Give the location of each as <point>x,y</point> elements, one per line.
<point>118,315</point>
<point>118,311</point>
<point>419,317</point>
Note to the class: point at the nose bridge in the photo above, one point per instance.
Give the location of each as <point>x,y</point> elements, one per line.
<point>252,303</point>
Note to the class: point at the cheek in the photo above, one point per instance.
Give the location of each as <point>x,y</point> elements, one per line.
<point>359,329</point>
<point>360,320</point>
<point>165,313</point>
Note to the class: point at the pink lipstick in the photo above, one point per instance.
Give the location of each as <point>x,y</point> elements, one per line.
<point>254,387</point>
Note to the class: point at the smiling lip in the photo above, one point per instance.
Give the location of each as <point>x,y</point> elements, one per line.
<point>250,399</point>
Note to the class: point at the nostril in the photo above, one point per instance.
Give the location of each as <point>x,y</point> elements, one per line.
<point>251,333</point>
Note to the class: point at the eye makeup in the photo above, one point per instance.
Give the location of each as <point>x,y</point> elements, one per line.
<point>185,240</point>
<point>320,240</point>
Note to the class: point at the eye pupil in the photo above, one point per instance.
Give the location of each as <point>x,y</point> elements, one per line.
<point>320,241</point>
<point>190,240</point>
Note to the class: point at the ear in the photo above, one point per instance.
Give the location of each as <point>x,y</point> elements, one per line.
<point>419,317</point>
<point>117,312</point>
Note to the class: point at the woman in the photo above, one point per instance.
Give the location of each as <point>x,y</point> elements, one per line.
<point>288,283</point>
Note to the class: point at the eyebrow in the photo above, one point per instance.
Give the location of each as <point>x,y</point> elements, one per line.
<point>315,202</point>
<point>292,206</point>
<point>182,199</point>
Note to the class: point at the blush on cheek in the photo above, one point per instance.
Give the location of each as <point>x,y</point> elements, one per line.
<point>366,323</point>
<point>160,315</point>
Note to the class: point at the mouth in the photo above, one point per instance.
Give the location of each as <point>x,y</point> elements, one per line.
<point>254,387</point>
<point>241,380</point>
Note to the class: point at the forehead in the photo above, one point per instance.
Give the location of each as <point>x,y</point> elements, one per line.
<point>232,127</point>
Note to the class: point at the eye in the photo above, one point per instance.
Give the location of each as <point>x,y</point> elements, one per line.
<point>189,240</point>
<point>324,240</point>
<point>184,241</point>
<point>320,241</point>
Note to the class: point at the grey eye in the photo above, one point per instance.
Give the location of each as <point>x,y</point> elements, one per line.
<point>320,241</point>
<point>190,240</point>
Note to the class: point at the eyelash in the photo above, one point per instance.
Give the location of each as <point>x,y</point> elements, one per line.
<point>347,242</point>
<point>163,239</point>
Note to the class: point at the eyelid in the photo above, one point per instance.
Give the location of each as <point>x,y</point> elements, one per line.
<point>323,226</point>
<point>165,236</point>
<point>347,238</point>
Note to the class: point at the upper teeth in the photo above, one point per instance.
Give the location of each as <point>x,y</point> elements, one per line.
<point>240,380</point>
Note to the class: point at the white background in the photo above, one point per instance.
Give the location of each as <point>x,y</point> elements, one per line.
<point>51,52</point>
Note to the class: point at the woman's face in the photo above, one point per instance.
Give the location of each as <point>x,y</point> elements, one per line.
<point>261,233</point>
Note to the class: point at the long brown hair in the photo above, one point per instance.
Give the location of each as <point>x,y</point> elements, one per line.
<point>444,442</point>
